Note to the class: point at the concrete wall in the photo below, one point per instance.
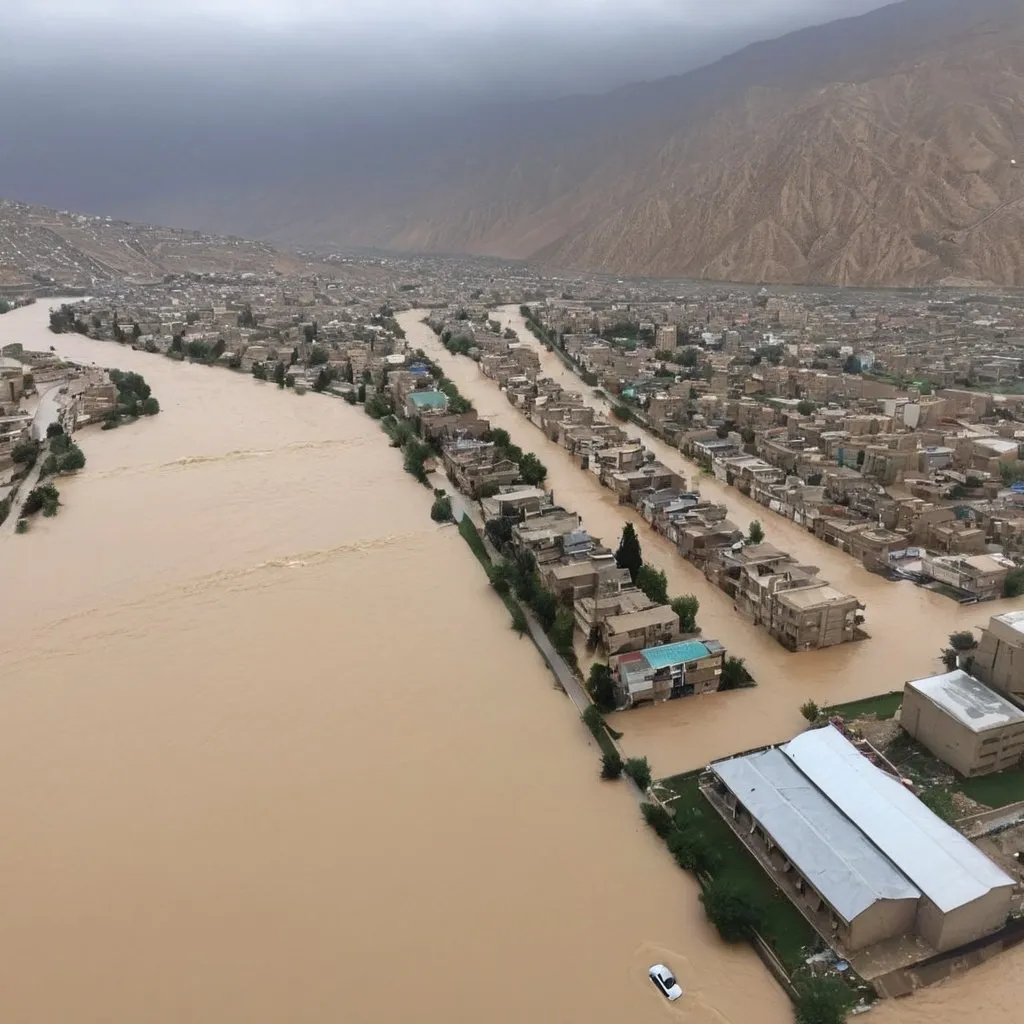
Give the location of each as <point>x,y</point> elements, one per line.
<point>966,923</point>
<point>882,920</point>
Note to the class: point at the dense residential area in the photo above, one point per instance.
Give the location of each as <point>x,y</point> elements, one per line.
<point>889,431</point>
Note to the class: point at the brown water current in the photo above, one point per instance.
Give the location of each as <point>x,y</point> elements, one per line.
<point>270,751</point>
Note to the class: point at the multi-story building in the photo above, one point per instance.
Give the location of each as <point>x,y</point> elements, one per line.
<point>664,673</point>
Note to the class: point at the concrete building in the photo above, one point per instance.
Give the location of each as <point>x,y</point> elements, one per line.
<point>964,723</point>
<point>859,854</point>
<point>977,577</point>
<point>672,670</point>
<point>999,658</point>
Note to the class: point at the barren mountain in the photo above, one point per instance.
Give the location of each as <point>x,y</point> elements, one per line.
<point>872,151</point>
<point>876,150</point>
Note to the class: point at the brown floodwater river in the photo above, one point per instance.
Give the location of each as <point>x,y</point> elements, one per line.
<point>270,751</point>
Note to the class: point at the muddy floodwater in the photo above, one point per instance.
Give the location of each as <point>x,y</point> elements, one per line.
<point>270,752</point>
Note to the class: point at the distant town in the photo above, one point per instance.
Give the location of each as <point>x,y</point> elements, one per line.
<point>889,425</point>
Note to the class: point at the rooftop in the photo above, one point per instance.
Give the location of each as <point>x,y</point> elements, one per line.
<point>968,700</point>
<point>428,399</point>
<point>849,871</point>
<point>675,654</point>
<point>947,868</point>
<point>1015,620</point>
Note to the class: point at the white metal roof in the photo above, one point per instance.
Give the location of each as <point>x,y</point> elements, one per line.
<point>825,846</point>
<point>968,700</point>
<point>946,867</point>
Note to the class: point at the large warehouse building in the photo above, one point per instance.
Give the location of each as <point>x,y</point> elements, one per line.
<point>861,855</point>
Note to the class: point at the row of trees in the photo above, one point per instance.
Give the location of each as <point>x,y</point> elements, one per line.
<point>532,471</point>
<point>134,398</point>
<point>652,581</point>
<point>65,456</point>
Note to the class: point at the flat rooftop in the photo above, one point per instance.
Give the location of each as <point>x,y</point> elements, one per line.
<point>968,700</point>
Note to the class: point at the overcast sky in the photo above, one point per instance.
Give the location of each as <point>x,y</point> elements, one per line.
<point>423,49</point>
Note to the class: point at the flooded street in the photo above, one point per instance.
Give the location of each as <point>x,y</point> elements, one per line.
<point>271,752</point>
<point>908,626</point>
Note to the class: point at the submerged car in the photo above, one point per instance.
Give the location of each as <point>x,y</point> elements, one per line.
<point>665,982</point>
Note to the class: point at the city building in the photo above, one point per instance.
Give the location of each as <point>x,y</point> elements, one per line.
<point>999,658</point>
<point>963,723</point>
<point>857,852</point>
<point>672,670</point>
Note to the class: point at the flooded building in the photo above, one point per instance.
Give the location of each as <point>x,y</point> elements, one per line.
<point>999,658</point>
<point>672,670</point>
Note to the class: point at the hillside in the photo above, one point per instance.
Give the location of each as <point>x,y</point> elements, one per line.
<point>39,246</point>
<point>871,151</point>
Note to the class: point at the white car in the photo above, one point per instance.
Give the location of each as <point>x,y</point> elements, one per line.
<point>665,982</point>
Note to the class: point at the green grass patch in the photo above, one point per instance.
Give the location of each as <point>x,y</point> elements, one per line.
<point>472,537</point>
<point>995,790</point>
<point>787,931</point>
<point>885,705</point>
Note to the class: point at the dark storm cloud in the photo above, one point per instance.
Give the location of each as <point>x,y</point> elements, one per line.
<point>110,105</point>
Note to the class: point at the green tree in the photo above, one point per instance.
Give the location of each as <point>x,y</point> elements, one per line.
<point>1013,586</point>
<point>693,851</point>
<point>45,498</point>
<point>73,461</point>
<point>259,371</point>
<point>686,608</point>
<point>823,1000</point>
<point>805,407</point>
<point>54,430</point>
<point>963,641</point>
<point>545,606</point>
<point>810,711</point>
<point>639,771</point>
<point>629,555</point>
<point>319,356</point>
<point>611,765</point>
<point>416,455</point>
<point>279,374</point>
<point>532,470</point>
<point>441,510</point>
<point>519,621</point>
<point>756,533</point>
<point>736,912</point>
<point>735,675</point>
<point>653,583</point>
<point>563,630</point>
<point>601,686</point>
<point>150,406</point>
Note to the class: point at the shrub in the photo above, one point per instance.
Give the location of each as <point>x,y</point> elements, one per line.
<point>73,461</point>
<point>21,526</point>
<point>735,675</point>
<point>25,452</point>
<point>756,534</point>
<point>46,498</point>
<point>658,818</point>
<point>545,607</point>
<point>441,510</point>
<point>611,765</point>
<point>693,851</point>
<point>621,412</point>
<point>734,911</point>
<point>810,711</point>
<point>639,771</point>
<point>54,430</point>
<point>823,1001</point>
